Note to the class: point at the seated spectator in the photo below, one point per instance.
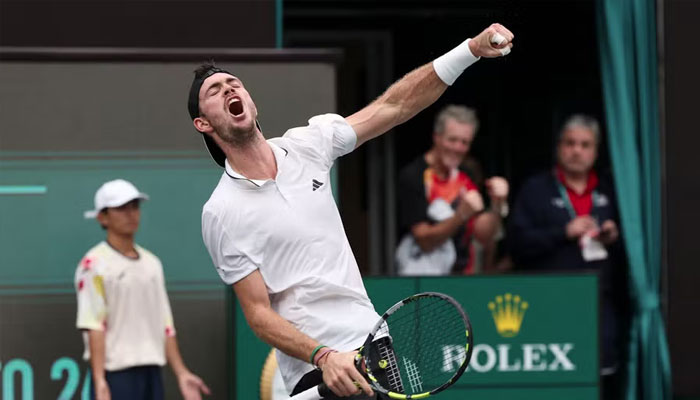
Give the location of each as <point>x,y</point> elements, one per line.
<point>441,210</point>
<point>566,219</point>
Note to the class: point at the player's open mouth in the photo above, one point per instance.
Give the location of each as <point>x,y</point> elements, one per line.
<point>235,106</point>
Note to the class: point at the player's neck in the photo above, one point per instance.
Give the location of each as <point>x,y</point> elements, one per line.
<point>256,161</point>
<point>124,244</point>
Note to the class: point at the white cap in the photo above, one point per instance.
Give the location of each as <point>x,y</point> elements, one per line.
<point>114,194</point>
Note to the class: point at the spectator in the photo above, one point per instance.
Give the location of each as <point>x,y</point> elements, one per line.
<point>441,210</point>
<point>566,219</point>
<point>123,308</point>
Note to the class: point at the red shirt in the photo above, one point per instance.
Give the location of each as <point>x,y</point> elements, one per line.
<point>583,202</point>
<point>448,190</point>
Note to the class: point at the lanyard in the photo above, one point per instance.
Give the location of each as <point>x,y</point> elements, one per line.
<point>567,201</point>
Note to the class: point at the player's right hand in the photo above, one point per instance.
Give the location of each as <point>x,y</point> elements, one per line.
<point>102,390</point>
<point>341,376</point>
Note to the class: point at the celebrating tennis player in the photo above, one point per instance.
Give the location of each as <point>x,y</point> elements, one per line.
<point>273,229</point>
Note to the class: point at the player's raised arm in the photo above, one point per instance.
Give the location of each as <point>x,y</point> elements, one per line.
<point>422,86</point>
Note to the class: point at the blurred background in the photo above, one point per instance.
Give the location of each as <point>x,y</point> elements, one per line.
<point>95,90</point>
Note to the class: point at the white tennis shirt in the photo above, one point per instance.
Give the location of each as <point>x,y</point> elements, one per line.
<point>290,230</point>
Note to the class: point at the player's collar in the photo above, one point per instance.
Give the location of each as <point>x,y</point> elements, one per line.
<point>280,156</point>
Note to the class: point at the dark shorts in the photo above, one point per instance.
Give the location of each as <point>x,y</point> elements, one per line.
<point>136,383</point>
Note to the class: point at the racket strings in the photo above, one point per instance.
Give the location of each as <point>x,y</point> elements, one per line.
<point>434,364</point>
<point>406,315</point>
<point>441,318</point>
<point>428,338</point>
<point>394,375</point>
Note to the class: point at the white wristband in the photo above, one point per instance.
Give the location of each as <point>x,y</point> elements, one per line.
<point>450,65</point>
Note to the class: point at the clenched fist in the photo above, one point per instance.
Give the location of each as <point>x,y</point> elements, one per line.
<point>470,203</point>
<point>486,44</point>
<point>497,188</point>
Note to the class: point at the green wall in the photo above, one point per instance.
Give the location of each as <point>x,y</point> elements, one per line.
<point>562,313</point>
<point>44,235</point>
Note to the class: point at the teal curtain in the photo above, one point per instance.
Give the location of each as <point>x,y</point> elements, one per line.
<point>627,37</point>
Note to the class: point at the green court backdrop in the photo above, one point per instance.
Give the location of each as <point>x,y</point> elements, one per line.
<point>553,354</point>
<point>44,235</point>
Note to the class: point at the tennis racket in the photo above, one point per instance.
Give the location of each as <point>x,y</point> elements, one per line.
<point>419,347</point>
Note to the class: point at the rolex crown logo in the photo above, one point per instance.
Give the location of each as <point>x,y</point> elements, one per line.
<point>508,312</point>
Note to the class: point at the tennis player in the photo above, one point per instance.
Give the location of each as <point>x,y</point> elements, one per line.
<point>273,229</point>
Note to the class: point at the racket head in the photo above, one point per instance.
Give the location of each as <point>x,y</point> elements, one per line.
<point>419,347</point>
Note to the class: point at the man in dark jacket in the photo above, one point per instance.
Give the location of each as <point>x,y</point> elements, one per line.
<point>566,220</point>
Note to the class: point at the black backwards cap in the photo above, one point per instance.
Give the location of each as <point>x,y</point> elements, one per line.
<point>193,107</point>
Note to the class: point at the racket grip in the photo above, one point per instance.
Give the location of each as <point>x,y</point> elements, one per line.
<point>324,391</point>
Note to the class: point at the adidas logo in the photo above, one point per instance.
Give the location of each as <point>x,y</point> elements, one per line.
<point>508,312</point>
<point>316,184</point>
